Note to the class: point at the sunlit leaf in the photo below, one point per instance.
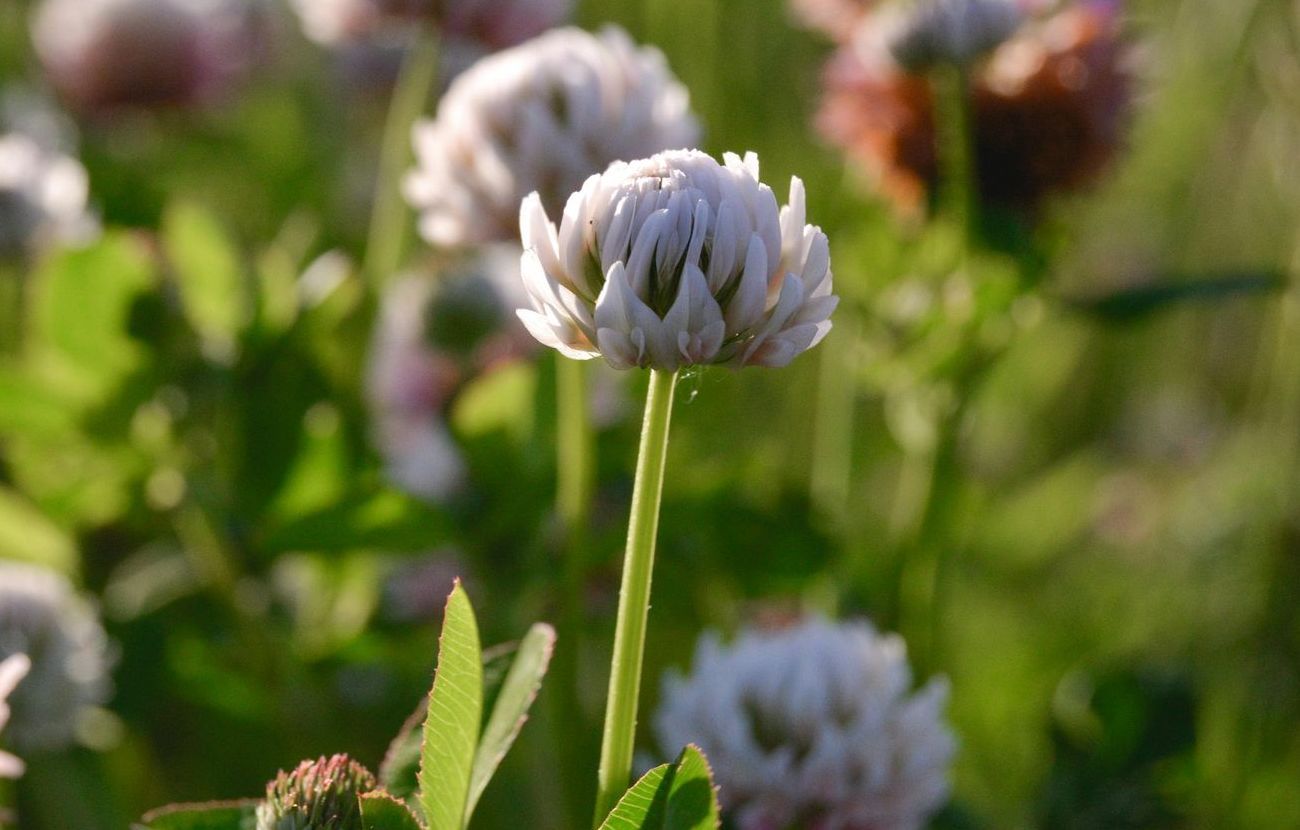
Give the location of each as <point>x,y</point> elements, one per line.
<point>229,815</point>
<point>500,401</point>
<point>677,796</point>
<point>643,804</point>
<point>451,730</point>
<point>380,811</point>
<point>81,307</point>
<point>510,711</point>
<point>401,765</point>
<point>212,289</point>
<point>27,535</point>
<point>692,797</point>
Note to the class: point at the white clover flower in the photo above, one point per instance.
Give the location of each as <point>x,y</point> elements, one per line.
<point>540,117</point>
<point>954,32</point>
<point>42,617</point>
<point>101,54</point>
<point>677,260</point>
<point>42,198</point>
<point>12,670</point>
<point>814,726</point>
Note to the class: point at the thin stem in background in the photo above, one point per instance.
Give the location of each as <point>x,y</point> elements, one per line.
<point>926,560</point>
<point>832,470</point>
<point>575,462</point>
<point>634,598</point>
<point>388,221</point>
<point>12,309</point>
<point>960,180</point>
<point>575,485</point>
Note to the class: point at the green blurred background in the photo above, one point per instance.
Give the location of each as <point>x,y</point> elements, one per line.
<point>1108,569</point>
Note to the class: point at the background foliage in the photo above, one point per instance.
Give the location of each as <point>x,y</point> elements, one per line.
<point>1107,570</point>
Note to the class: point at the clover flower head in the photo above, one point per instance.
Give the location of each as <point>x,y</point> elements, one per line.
<point>1049,110</point>
<point>42,617</point>
<point>12,670</point>
<point>540,117</point>
<point>105,54</point>
<point>42,198</point>
<point>815,725</point>
<point>318,795</point>
<point>494,24</point>
<point>954,32</point>
<point>675,261</point>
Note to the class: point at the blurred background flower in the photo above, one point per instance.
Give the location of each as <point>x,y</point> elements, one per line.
<point>1049,107</point>
<point>12,671</point>
<point>43,196</point>
<point>106,54</point>
<point>433,336</point>
<point>42,616</point>
<point>372,36</point>
<point>540,117</point>
<point>815,725</point>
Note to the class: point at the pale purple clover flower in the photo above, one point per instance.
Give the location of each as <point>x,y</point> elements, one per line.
<point>12,670</point>
<point>43,617</point>
<point>813,726</point>
<point>105,54</point>
<point>953,32</point>
<point>675,261</point>
<point>43,196</point>
<point>489,24</point>
<point>540,117</point>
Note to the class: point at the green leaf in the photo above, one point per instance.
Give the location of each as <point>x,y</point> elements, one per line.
<point>380,811</point>
<point>642,805</point>
<point>692,797</point>
<point>226,815</point>
<point>26,534</point>
<point>81,310</point>
<point>1145,300</point>
<point>399,772</point>
<point>510,710</point>
<point>451,730</point>
<point>677,796</point>
<point>503,400</point>
<point>400,768</point>
<point>211,279</point>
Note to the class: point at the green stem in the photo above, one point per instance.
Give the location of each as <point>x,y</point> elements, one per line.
<point>634,598</point>
<point>387,237</point>
<point>960,192</point>
<point>575,470</point>
<point>575,478</point>
<point>11,309</point>
<point>832,472</point>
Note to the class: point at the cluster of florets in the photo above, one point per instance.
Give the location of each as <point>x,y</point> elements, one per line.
<point>105,54</point>
<point>43,617</point>
<point>814,726</point>
<point>317,795</point>
<point>1050,92</point>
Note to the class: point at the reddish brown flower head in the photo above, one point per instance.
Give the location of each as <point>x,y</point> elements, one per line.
<point>1050,107</point>
<point>106,54</point>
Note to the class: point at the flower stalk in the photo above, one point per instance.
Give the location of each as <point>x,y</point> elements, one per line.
<point>634,597</point>
<point>957,150</point>
<point>387,237</point>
